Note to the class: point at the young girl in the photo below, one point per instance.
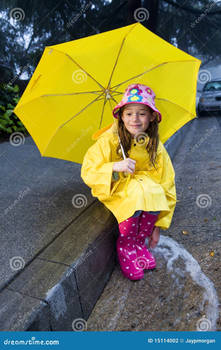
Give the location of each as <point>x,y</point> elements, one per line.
<point>138,189</point>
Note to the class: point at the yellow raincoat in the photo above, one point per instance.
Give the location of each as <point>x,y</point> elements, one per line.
<point>146,189</point>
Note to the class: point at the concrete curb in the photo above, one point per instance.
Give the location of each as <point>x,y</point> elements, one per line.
<point>60,287</point>
<point>175,141</point>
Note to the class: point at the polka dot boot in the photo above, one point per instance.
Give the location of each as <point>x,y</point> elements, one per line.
<point>126,249</point>
<point>146,225</point>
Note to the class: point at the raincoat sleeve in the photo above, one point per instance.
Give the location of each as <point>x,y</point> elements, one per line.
<point>97,169</point>
<point>168,183</point>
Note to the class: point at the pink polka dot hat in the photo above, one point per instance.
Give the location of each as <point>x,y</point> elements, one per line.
<point>138,93</point>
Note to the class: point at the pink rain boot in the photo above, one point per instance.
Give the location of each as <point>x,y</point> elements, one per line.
<point>126,249</point>
<point>146,225</point>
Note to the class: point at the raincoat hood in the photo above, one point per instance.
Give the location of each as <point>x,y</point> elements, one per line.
<point>111,128</point>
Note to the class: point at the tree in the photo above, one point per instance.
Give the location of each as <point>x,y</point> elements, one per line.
<point>153,8</point>
<point>193,27</point>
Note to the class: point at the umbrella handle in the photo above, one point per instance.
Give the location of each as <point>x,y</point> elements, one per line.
<point>124,156</point>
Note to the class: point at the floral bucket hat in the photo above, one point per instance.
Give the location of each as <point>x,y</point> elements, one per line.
<point>138,93</point>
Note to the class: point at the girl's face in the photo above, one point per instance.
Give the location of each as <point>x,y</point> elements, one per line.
<point>136,117</point>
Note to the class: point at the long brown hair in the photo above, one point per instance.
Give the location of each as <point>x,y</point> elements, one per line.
<point>126,138</point>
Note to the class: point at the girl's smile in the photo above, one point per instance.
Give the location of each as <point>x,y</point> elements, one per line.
<point>136,117</point>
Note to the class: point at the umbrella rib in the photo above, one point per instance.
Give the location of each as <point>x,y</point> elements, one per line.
<point>113,98</point>
<point>72,93</point>
<point>119,55</point>
<point>117,92</point>
<point>136,76</point>
<point>68,121</point>
<point>85,71</point>
<point>101,98</point>
<point>102,113</point>
<point>111,106</point>
<point>116,62</point>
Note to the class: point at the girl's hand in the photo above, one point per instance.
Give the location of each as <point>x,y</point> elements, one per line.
<point>126,165</point>
<point>154,238</point>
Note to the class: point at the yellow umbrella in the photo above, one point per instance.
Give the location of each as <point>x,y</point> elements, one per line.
<point>77,84</point>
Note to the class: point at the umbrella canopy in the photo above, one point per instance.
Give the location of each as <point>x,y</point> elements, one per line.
<point>77,84</point>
